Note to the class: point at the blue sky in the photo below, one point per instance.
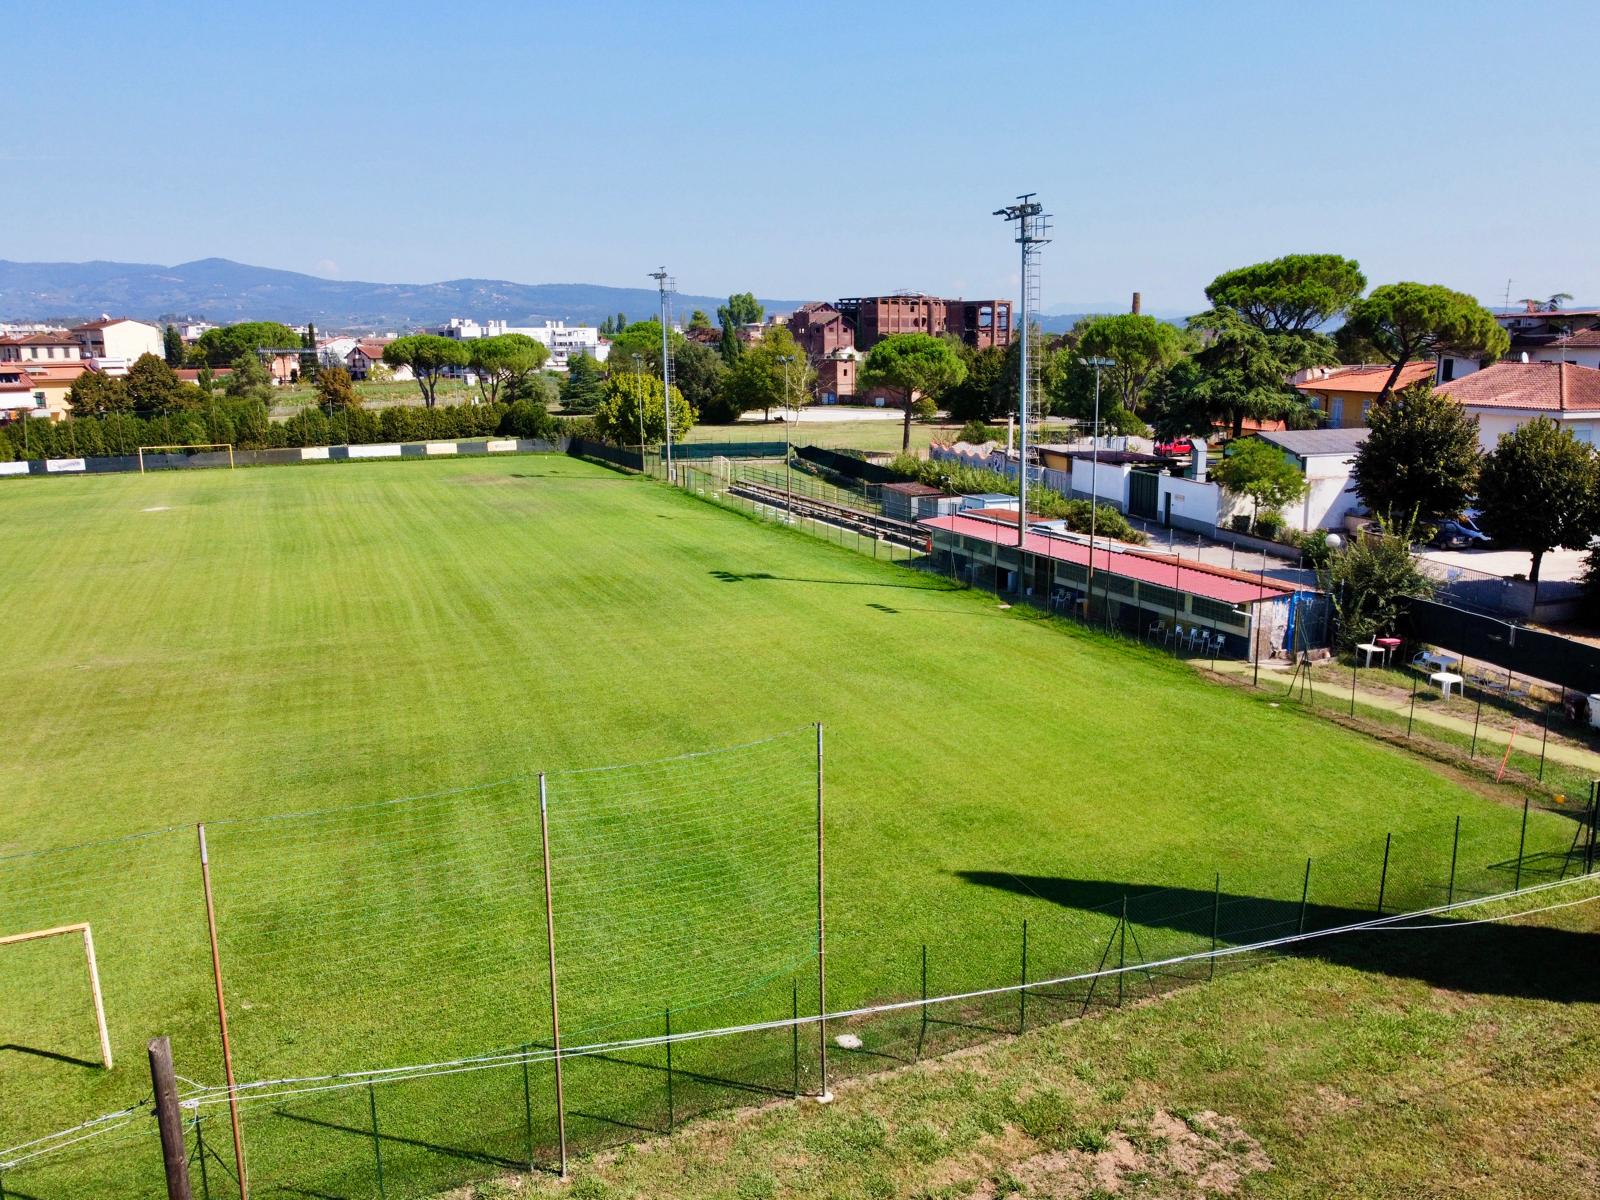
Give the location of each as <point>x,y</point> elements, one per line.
<point>818,149</point>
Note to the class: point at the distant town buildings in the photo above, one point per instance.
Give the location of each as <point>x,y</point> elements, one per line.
<point>118,340</point>
<point>562,340</point>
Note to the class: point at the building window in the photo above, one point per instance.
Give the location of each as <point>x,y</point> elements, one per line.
<point>1366,407</point>
<point>1447,370</point>
<point>1336,410</point>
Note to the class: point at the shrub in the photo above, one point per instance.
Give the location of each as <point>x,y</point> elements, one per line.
<point>528,419</point>
<point>1269,524</point>
<point>977,432</point>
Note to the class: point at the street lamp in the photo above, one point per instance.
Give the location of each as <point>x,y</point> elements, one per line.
<point>1094,478</point>
<point>788,473</point>
<point>638,401</point>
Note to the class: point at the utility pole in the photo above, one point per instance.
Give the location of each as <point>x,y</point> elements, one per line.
<point>1033,229</point>
<point>666,284</point>
<point>788,477</point>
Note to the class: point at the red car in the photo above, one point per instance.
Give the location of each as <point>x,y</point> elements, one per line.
<point>1174,448</point>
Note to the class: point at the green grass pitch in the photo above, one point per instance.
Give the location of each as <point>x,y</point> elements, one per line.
<point>232,645</point>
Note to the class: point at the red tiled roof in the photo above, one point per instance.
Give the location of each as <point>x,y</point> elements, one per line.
<point>1541,386</point>
<point>38,339</point>
<point>105,321</point>
<point>1368,379</point>
<point>1199,579</point>
<point>1582,337</point>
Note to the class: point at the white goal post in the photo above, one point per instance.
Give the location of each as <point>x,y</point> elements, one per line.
<point>228,446</point>
<point>35,935</point>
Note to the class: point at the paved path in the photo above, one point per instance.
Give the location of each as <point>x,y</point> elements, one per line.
<point>1575,756</point>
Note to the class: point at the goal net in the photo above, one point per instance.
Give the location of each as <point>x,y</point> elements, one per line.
<point>209,454</point>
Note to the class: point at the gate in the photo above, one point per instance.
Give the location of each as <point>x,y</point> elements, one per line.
<point>1143,487</point>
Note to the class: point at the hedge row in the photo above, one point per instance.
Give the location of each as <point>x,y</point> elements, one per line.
<point>247,426</point>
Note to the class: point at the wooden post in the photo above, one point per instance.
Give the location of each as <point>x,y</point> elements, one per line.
<point>527,1090</point>
<point>1412,715</point>
<point>94,991</point>
<point>222,1017</point>
<point>174,1153</point>
<point>550,940</point>
<point>823,1095</point>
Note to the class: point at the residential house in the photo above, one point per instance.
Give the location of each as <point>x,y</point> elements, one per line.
<point>1535,331</point>
<point>1581,348</point>
<point>367,352</point>
<point>1343,396</point>
<point>40,347</point>
<point>332,351</point>
<point>1509,394</point>
<point>117,342</point>
<point>38,389</point>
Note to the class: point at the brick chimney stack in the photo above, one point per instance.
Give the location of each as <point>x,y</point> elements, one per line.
<point>1136,299</point>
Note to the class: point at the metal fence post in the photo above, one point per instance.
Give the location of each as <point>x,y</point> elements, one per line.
<point>1355,665</point>
<point>1122,947</point>
<point>671,1114</point>
<point>1544,739</point>
<point>1383,878</point>
<point>199,1153</point>
<point>1455,849</point>
<point>1305,891</point>
<point>794,1035</point>
<point>923,1032</point>
<point>1022,992</point>
<point>1412,715</point>
<point>1216,921</point>
<point>1522,843</point>
<point>1472,752</point>
<point>527,1107</point>
<point>1594,829</point>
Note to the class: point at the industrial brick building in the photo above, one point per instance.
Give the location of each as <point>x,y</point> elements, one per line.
<point>864,321</point>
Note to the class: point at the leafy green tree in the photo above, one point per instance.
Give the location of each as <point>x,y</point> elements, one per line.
<point>699,322</point>
<point>172,346</point>
<point>152,386</point>
<point>770,374</point>
<point>1140,348</point>
<point>528,419</point>
<point>741,309</point>
<point>248,379</point>
<point>1297,293</point>
<point>912,364</point>
<point>618,416</point>
<point>1405,321</point>
<point>335,391</point>
<point>429,356</point>
<point>1240,374</point>
<point>1369,581</point>
<point>700,374</point>
<point>1420,459</point>
<point>95,395</point>
<point>1539,488</point>
<point>581,390</point>
<point>983,395</point>
<point>504,359</point>
<point>1262,472</point>
<point>644,339</point>
<point>224,345</point>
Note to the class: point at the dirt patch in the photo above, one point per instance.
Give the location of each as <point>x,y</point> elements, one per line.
<point>1165,1156</point>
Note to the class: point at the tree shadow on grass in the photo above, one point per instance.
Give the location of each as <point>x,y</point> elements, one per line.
<point>767,576</point>
<point>1527,961</point>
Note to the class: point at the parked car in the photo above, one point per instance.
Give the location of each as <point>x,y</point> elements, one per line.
<point>1174,448</point>
<point>1459,534</point>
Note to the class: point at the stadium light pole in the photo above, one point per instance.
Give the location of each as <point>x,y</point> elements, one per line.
<point>1094,475</point>
<point>665,283</point>
<point>1033,226</point>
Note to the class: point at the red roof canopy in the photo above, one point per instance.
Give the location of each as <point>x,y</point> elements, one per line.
<point>1199,579</point>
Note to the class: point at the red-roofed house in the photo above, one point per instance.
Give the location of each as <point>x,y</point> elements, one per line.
<point>1509,394</point>
<point>1344,395</point>
<point>1581,348</point>
<point>120,339</point>
<point>367,352</point>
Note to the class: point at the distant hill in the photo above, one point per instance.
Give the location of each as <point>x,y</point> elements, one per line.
<point>215,289</point>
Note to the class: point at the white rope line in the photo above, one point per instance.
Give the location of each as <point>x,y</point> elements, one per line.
<point>1489,920</point>
<point>279,1088</point>
<point>95,1125</point>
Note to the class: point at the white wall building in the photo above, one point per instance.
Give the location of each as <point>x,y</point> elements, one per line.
<point>1325,457</point>
<point>561,339</point>
<point>114,343</point>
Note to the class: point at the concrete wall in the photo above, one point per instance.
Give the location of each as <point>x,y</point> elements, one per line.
<point>279,457</point>
<point>1108,483</point>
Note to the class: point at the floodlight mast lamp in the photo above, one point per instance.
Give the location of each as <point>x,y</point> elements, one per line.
<point>665,283</point>
<point>1033,229</point>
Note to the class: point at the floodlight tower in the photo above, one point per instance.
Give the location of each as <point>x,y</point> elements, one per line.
<point>1033,233</point>
<point>667,285</point>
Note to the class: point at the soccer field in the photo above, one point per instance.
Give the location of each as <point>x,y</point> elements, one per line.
<point>230,646</point>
